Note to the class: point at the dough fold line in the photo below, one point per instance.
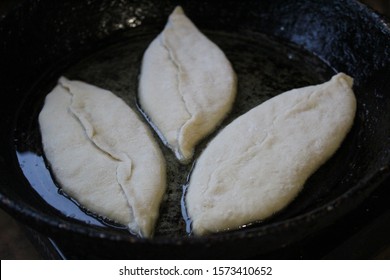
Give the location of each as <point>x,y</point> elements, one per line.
<point>124,161</point>
<point>179,71</point>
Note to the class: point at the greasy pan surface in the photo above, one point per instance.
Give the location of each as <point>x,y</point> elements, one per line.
<point>274,46</point>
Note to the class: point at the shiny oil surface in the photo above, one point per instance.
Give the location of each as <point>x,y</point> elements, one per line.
<point>265,67</point>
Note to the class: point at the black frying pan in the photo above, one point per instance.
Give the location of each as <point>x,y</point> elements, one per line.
<point>274,46</point>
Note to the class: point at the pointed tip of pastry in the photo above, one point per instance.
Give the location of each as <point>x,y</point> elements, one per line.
<point>178,11</point>
<point>344,77</point>
<point>63,80</point>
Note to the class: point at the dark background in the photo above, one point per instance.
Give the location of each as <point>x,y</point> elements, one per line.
<point>14,239</point>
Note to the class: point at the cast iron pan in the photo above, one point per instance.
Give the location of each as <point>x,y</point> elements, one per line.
<point>274,46</point>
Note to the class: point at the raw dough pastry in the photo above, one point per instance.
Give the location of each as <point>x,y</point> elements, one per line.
<point>259,163</point>
<point>102,155</point>
<point>187,85</point>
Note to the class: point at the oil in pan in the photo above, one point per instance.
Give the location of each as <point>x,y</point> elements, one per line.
<point>265,67</point>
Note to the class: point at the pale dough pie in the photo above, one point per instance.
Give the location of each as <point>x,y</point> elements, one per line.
<point>102,154</point>
<point>187,85</point>
<point>259,163</point>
